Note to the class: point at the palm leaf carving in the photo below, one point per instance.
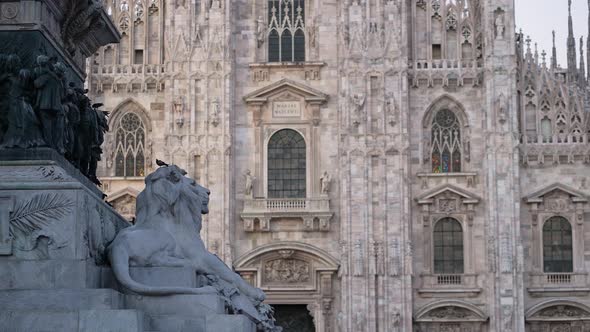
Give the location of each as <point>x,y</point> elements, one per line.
<point>34,217</point>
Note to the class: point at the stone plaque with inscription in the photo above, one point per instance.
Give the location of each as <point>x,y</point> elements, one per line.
<point>286,109</point>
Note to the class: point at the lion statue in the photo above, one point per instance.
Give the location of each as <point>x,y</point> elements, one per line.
<point>167,234</point>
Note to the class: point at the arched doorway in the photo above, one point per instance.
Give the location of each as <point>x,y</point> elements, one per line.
<point>297,279</point>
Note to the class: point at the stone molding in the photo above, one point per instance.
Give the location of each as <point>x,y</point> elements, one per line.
<point>558,310</point>
<point>450,311</point>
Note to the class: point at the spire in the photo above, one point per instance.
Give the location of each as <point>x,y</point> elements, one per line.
<point>582,70</point>
<point>588,42</point>
<point>571,46</point>
<point>554,52</point>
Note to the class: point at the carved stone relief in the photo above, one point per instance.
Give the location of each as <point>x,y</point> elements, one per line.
<point>450,312</point>
<point>36,224</point>
<point>287,271</point>
<point>125,205</point>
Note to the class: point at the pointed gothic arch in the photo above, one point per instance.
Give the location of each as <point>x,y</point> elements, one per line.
<point>444,125</point>
<point>130,135</point>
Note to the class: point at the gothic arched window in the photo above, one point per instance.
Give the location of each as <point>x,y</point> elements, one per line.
<point>286,165</point>
<point>557,246</point>
<point>286,30</point>
<point>446,143</point>
<point>130,156</point>
<point>448,247</point>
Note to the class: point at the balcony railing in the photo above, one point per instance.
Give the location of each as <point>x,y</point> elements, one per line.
<point>148,70</point>
<point>558,282</point>
<point>555,139</point>
<point>466,284</point>
<point>444,64</point>
<point>559,278</point>
<point>449,279</point>
<point>314,212</point>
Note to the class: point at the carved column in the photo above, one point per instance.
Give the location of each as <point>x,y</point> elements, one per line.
<point>256,109</point>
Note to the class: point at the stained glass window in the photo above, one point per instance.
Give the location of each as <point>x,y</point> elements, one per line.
<point>286,165</point>
<point>446,143</point>
<point>557,246</point>
<point>286,30</point>
<point>130,159</point>
<point>448,247</point>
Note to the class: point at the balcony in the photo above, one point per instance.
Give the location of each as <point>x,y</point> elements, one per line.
<point>551,284</point>
<point>434,285</point>
<point>445,72</point>
<point>556,149</point>
<point>131,70</point>
<point>314,213</point>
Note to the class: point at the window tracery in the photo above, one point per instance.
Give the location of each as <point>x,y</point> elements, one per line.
<point>130,146</point>
<point>446,144</point>
<point>448,247</point>
<point>557,246</point>
<point>286,165</point>
<point>286,30</point>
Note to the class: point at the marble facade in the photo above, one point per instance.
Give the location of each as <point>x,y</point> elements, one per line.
<point>192,83</point>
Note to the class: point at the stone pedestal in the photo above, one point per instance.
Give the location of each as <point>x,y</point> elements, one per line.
<point>54,275</point>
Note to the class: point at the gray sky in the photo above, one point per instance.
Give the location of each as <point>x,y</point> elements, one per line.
<point>537,18</point>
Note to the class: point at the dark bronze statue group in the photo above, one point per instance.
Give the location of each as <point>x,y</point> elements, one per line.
<point>39,108</point>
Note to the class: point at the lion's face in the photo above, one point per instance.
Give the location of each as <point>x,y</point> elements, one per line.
<point>172,190</point>
<point>201,192</point>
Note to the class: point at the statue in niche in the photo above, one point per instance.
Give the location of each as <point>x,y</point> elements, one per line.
<point>167,234</point>
<point>343,270</point>
<point>325,181</point>
<point>358,101</point>
<point>181,3</point>
<point>260,31</point>
<point>215,112</point>
<point>358,258</point>
<point>499,25</point>
<point>249,186</point>
<point>22,125</point>
<point>124,6</point>
<point>178,106</point>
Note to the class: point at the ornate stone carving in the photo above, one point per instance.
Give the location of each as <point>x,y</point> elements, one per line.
<point>325,181</point>
<point>249,183</point>
<point>125,206</point>
<point>499,24</point>
<point>288,271</point>
<point>358,259</point>
<point>450,312</point>
<point>563,311</point>
<point>35,222</point>
<point>394,258</point>
<point>447,205</point>
<point>343,270</point>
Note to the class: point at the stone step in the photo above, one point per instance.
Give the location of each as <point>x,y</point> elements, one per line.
<point>60,299</point>
<point>187,305</point>
<point>76,321</point>
<point>209,323</point>
<point>174,323</point>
